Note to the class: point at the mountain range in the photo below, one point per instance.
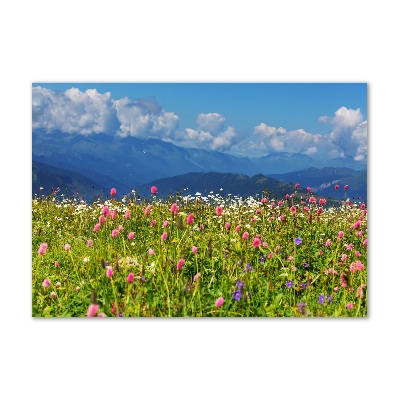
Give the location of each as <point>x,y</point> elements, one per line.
<point>96,162</point>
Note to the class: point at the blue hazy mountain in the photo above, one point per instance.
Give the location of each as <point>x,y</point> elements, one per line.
<point>124,163</point>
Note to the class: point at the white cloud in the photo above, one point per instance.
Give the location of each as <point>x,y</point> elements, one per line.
<point>144,118</point>
<point>73,111</point>
<point>211,122</point>
<point>344,118</point>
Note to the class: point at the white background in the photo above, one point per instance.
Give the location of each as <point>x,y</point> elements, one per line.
<point>188,41</point>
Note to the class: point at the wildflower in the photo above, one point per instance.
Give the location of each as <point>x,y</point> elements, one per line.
<point>308,189</point>
<point>180,263</point>
<point>359,265</point>
<point>101,315</point>
<point>174,208</point>
<point>120,228</point>
<point>350,306</point>
<point>106,211</point>
<point>130,277</point>
<point>237,295</point>
<point>343,280</point>
<point>329,299</point>
<point>313,200</point>
<point>359,292</point>
<point>365,243</point>
<point>56,264</point>
<point>304,286</point>
<point>120,314</point>
<point>113,192</point>
<point>153,190</point>
<point>96,228</point>
<point>328,242</point>
<point>151,252</point>
<point>346,187</point>
<point>256,242</point>
<point>219,211</point>
<point>344,257</point>
<point>322,202</point>
<point>92,310</point>
<point>46,283</point>
<point>227,226</point>
<point>131,235</point>
<point>58,284</point>
<point>147,210</point>
<point>197,276</point>
<point>237,229</point>
<point>305,265</point>
<point>114,214</point>
<point>164,236</point>
<point>109,272</point>
<point>357,225</point>
<point>262,259</point>
<point>264,200</point>
<point>219,302</point>
<point>296,185</point>
<point>42,249</point>
<point>336,187</point>
<point>340,234</point>
<point>245,235</point>
<point>127,214</point>
<point>190,219</point>
<point>349,246</point>
<point>298,241</point>
<point>194,249</point>
<point>201,227</point>
<point>321,299</point>
<point>240,284</point>
<point>165,224</point>
<point>357,254</point>
<point>67,247</point>
<point>302,307</point>
<point>289,284</point>
<point>114,233</point>
<point>90,243</point>
<point>78,289</point>
<point>353,267</point>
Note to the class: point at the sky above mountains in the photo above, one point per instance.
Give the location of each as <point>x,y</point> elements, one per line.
<point>319,120</point>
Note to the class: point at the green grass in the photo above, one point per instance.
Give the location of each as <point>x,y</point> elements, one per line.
<point>223,258</point>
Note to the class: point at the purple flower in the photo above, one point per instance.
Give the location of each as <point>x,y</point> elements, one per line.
<point>321,299</point>
<point>289,284</point>
<point>237,295</point>
<point>329,299</point>
<point>262,259</point>
<point>302,307</point>
<point>120,314</point>
<point>143,278</point>
<point>297,241</point>
<point>305,265</point>
<point>240,284</point>
<point>304,286</point>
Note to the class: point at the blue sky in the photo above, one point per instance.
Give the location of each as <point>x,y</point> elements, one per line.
<point>317,119</point>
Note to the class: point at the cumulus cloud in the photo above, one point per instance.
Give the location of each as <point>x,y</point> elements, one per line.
<point>349,134</point>
<point>344,118</point>
<point>279,139</point>
<point>348,138</point>
<point>73,111</point>
<point>144,118</point>
<point>210,134</point>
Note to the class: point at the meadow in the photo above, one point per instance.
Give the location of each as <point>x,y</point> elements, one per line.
<point>199,256</point>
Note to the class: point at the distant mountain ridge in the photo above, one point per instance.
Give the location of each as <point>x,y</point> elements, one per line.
<point>232,185</point>
<point>124,163</point>
<point>324,180</point>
